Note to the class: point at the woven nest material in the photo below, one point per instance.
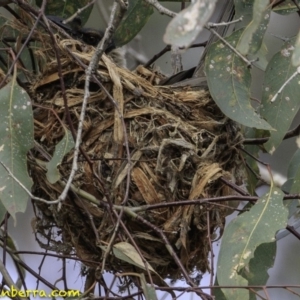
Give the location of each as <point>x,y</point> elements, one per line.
<point>180,145</point>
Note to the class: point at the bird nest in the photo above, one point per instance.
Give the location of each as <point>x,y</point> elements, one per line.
<point>180,145</point>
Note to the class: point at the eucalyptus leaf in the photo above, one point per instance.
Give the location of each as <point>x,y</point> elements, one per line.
<point>149,290</point>
<point>16,139</point>
<point>292,186</point>
<point>242,237</point>
<point>3,211</point>
<point>252,36</point>
<point>260,58</point>
<point>257,271</point>
<point>137,15</point>
<point>186,26</point>
<point>281,112</point>
<point>229,82</point>
<point>127,252</point>
<point>296,53</point>
<point>67,8</point>
<point>286,7</point>
<point>61,149</point>
<point>219,295</point>
<point>243,9</point>
<point>254,150</point>
<point>293,174</point>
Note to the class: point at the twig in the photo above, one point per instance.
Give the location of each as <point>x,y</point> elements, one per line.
<point>165,50</point>
<point>114,20</point>
<point>91,219</point>
<point>24,45</point>
<point>285,84</point>
<point>78,12</point>
<point>292,230</point>
<point>25,189</point>
<point>248,62</point>
<point>234,187</point>
<point>161,9</point>
<point>9,281</point>
<point>255,158</point>
<point>170,250</point>
<point>214,25</point>
<point>146,265</point>
<point>258,141</point>
<point>212,273</point>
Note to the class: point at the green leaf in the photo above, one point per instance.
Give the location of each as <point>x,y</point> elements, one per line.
<point>137,15</point>
<point>229,82</point>
<point>3,211</point>
<point>186,26</point>
<point>261,61</point>
<point>149,290</point>
<point>243,8</point>
<point>263,260</point>
<point>296,53</point>
<point>16,138</point>
<point>242,237</point>
<point>281,112</point>
<point>218,291</point>
<point>286,7</point>
<point>67,8</point>
<point>61,149</point>
<point>127,252</point>
<point>252,163</point>
<point>10,242</point>
<point>251,38</point>
<point>292,185</point>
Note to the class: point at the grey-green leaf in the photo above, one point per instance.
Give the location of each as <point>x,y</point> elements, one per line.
<point>127,252</point>
<point>252,163</point>
<point>296,53</point>
<point>61,149</point>
<point>3,211</point>
<point>281,112</point>
<point>137,15</point>
<point>292,185</point>
<point>263,260</point>
<point>16,138</point>
<point>242,237</point>
<point>229,82</point>
<point>149,290</point>
<point>186,26</point>
<point>286,7</point>
<point>67,8</point>
<point>243,9</point>
<point>251,38</point>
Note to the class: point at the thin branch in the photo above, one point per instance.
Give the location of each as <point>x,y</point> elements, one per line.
<point>24,45</point>
<point>259,141</point>
<point>292,230</point>
<point>167,49</point>
<point>214,25</point>
<point>25,189</point>
<point>9,281</point>
<point>248,62</point>
<point>78,12</point>
<point>235,187</point>
<point>285,84</point>
<point>161,9</point>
